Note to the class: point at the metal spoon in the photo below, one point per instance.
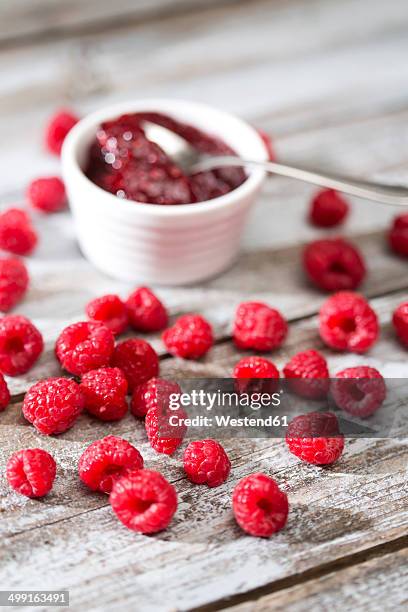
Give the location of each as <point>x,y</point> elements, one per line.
<point>192,161</point>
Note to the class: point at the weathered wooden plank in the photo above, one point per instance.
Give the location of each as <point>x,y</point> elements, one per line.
<point>377,583</point>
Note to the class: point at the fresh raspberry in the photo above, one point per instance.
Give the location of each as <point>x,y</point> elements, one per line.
<point>105,391</point>
<point>31,472</point>
<point>14,281</point>
<point>165,428</point>
<point>315,438</point>
<point>109,310</point>
<point>4,394</point>
<point>145,310</point>
<point>58,127</point>
<point>107,460</point>
<point>398,235</point>
<point>47,194</point>
<point>334,264</point>
<point>259,506</point>
<point>191,337</point>
<point>144,501</point>
<point>256,375</point>
<point>155,392</point>
<point>359,391</point>
<point>308,375</point>
<point>53,405</point>
<point>17,234</point>
<point>268,144</point>
<point>259,327</point>
<point>347,322</point>
<point>137,360</point>
<point>328,208</point>
<point>400,322</point>
<point>206,462</point>
<point>21,344</point>
<point>84,346</point>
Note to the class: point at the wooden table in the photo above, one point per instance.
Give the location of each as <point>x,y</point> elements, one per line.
<point>329,81</point>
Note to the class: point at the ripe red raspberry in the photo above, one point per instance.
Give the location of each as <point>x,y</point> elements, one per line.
<point>155,392</point>
<point>21,344</point>
<point>334,264</point>
<point>259,506</point>
<point>31,472</point>
<point>145,310</point>
<point>109,310</point>
<point>308,375</point>
<point>105,391</point>
<point>17,234</point>
<point>359,391</point>
<point>47,194</point>
<point>347,322</point>
<point>268,144</point>
<point>400,322</point>
<point>144,501</point>
<point>264,372</point>
<point>53,405</point>
<point>315,438</point>
<point>137,360</point>
<point>84,346</point>
<point>58,127</point>
<point>191,337</point>
<point>328,208</point>
<point>398,235</point>
<point>165,429</point>
<point>259,327</point>
<point>206,462</point>
<point>4,394</point>
<point>14,281</point>
<point>107,460</point>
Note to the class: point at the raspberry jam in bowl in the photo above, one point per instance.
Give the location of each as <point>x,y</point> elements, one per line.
<point>138,216</point>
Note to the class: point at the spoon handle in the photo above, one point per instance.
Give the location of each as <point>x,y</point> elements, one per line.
<point>387,194</point>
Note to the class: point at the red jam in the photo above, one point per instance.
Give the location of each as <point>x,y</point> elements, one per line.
<point>124,162</point>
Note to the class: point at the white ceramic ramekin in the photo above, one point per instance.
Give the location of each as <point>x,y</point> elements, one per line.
<point>153,244</point>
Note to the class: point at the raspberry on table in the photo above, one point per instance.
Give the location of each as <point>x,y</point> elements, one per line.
<point>268,144</point>
<point>84,346</point>
<point>334,264</point>
<point>308,375</point>
<point>328,208</point>
<point>206,462</point>
<point>145,311</point>
<point>47,194</point>
<point>256,375</point>
<point>57,128</point>
<point>259,327</point>
<point>109,310</point>
<point>105,391</point>
<point>53,405</point>
<point>360,391</point>
<point>260,507</point>
<point>21,344</point>
<point>400,322</point>
<point>17,233</point>
<point>106,461</point>
<point>31,472</point>
<point>191,337</point>
<point>144,501</point>
<point>4,394</point>
<point>137,360</point>
<point>151,394</point>
<point>315,438</point>
<point>398,235</point>
<point>14,282</point>
<point>165,436</point>
<point>348,323</point>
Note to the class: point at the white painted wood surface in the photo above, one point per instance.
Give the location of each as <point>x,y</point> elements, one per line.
<point>332,90</point>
